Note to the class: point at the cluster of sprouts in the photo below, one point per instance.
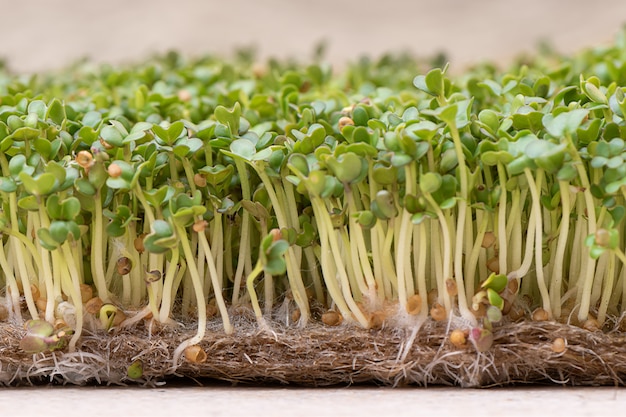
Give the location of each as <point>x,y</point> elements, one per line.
<point>179,191</point>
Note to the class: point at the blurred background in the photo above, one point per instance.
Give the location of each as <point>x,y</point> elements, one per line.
<point>37,35</point>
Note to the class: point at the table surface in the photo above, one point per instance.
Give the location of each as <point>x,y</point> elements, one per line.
<point>220,400</point>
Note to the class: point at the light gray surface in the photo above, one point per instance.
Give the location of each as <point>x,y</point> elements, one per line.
<point>360,402</point>
<point>41,34</point>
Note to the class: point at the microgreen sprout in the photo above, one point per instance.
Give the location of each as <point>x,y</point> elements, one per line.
<point>365,199</point>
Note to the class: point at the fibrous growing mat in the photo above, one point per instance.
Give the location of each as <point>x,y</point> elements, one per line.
<point>522,353</point>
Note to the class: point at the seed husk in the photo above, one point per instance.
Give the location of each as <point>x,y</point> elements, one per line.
<point>184,95</point>
<point>516,312</point>
<point>480,312</point>
<point>513,286</point>
<point>152,276</point>
<point>114,170</point>
<point>377,319</point>
<point>195,354</point>
<point>345,121</point>
<point>488,240</point>
<point>438,312</point>
<point>199,180</point>
<point>458,338</point>
<point>34,290</point>
<point>4,313</point>
<point>123,265</point>
<point>84,159</point>
<point>592,325</point>
<point>93,305</point>
<point>558,345</point>
<point>41,304</point>
<point>539,314</point>
<point>432,296</point>
<point>414,304</point>
<point>138,243</point>
<point>120,316</point>
<point>86,292</point>
<point>106,145</point>
<point>60,324</point>
<point>211,310</point>
<point>451,287</point>
<point>332,318</point>
<point>295,315</point>
<point>493,264</point>
<point>200,225</point>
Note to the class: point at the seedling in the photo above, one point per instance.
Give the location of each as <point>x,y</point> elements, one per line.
<point>171,196</point>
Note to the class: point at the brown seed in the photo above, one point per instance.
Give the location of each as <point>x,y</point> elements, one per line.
<point>34,290</point>
<point>506,309</point>
<point>414,304</point>
<point>438,312</point>
<point>211,311</point>
<point>276,234</point>
<point>114,170</point>
<point>540,314</point>
<point>332,318</point>
<point>602,237</point>
<point>306,86</point>
<point>591,324</point>
<point>258,70</point>
<point>432,296</point>
<point>199,180</point>
<point>458,338</point>
<point>41,304</point>
<point>60,324</point>
<point>123,265</point>
<point>4,313</point>
<point>345,121</point>
<point>184,95</point>
<point>84,159</point>
<point>493,264</point>
<point>105,144</point>
<point>513,286</point>
<point>195,354</point>
<point>479,312</point>
<point>120,316</point>
<point>517,312</point>
<point>558,345</point>
<point>93,305</point>
<point>152,276</point>
<point>200,225</point>
<point>86,292</point>
<point>451,287</point>
<point>377,319</point>
<point>295,315</point>
<point>138,243</point>
<point>310,293</point>
<point>488,240</point>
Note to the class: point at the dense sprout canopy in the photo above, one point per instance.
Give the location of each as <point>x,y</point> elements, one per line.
<point>390,193</point>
